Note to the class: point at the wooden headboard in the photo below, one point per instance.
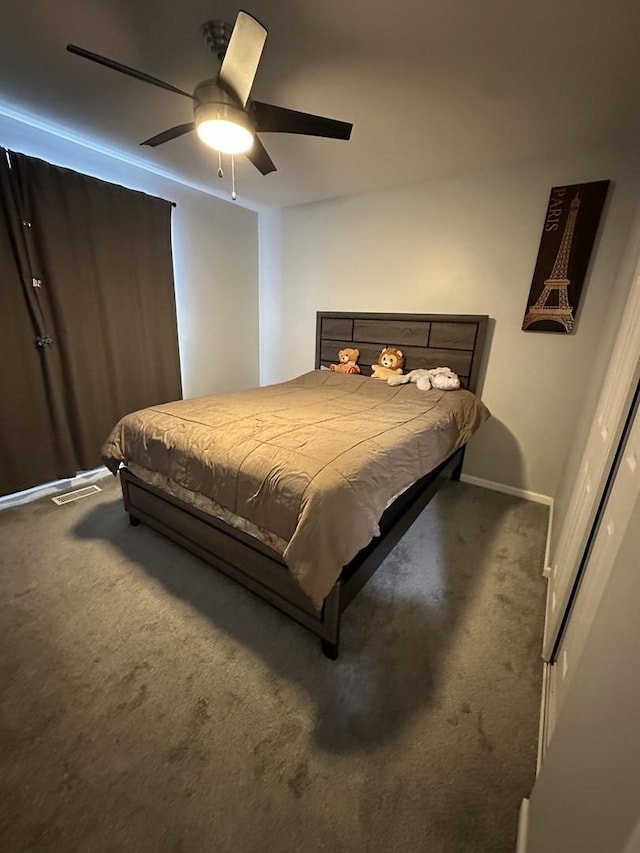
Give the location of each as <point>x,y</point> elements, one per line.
<point>427,340</point>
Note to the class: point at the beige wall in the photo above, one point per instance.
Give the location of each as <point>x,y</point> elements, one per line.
<point>215,248</point>
<point>462,245</point>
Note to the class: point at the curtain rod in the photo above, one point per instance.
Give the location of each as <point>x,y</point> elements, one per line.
<point>8,151</point>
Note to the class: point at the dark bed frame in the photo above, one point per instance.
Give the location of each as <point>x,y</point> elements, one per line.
<point>427,340</point>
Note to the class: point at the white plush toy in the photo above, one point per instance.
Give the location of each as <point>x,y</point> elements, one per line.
<point>420,377</point>
<point>442,378</point>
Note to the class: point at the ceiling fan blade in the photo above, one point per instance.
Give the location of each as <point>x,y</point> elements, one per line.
<point>257,155</point>
<point>269,118</point>
<point>242,56</point>
<point>124,69</point>
<point>168,135</point>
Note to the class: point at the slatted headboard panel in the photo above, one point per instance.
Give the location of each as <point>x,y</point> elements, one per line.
<point>427,340</point>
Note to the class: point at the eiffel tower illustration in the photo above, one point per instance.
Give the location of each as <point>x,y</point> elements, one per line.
<point>557,282</point>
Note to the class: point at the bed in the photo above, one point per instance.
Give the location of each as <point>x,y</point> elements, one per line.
<point>299,490</point>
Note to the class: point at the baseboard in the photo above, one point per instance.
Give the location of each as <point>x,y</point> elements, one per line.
<point>546,571</point>
<point>57,487</point>
<point>507,490</point>
<point>523,826</point>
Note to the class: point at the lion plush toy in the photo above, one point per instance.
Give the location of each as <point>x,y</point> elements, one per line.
<point>390,363</point>
<point>347,361</point>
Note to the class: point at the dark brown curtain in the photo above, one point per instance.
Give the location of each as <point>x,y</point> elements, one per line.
<point>88,322</point>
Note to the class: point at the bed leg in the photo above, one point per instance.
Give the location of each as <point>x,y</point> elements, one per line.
<point>457,471</point>
<point>330,650</point>
<point>133,521</point>
<point>331,622</point>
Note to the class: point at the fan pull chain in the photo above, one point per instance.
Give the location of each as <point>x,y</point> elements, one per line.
<point>233,178</point>
<point>233,174</point>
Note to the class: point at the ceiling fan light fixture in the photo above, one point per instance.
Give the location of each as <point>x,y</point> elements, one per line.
<point>224,126</point>
<point>224,135</point>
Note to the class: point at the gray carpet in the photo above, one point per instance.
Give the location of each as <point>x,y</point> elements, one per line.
<point>149,704</point>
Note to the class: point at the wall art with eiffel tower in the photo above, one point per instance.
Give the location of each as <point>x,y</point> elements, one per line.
<point>568,234</point>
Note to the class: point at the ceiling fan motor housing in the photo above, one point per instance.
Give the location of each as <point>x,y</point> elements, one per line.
<point>212,102</point>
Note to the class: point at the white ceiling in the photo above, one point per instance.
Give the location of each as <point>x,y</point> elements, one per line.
<point>433,88</point>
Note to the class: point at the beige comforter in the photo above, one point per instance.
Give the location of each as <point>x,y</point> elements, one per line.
<point>314,460</point>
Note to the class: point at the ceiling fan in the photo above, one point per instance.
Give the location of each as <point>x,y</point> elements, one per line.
<point>225,117</point>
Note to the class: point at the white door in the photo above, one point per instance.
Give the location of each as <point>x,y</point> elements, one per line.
<point>603,442</point>
<point>612,529</point>
<point>585,797</point>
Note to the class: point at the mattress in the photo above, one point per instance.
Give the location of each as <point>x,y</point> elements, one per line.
<point>313,461</point>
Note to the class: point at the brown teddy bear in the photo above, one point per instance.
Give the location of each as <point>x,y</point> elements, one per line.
<point>390,363</point>
<point>347,359</point>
